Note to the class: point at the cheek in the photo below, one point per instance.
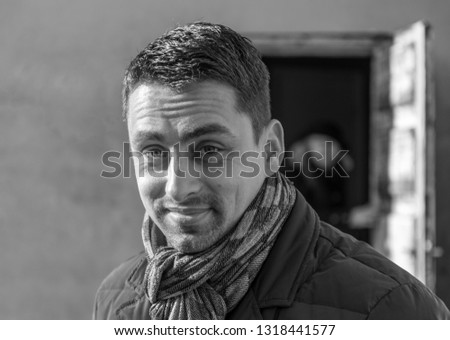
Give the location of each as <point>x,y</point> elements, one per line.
<point>225,192</point>
<point>244,183</point>
<point>234,192</point>
<point>249,187</point>
<point>150,189</point>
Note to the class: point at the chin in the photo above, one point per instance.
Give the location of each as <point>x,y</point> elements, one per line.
<point>189,248</point>
<point>192,245</point>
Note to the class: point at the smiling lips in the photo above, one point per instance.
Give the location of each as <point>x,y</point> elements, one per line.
<point>187,215</point>
<point>187,210</point>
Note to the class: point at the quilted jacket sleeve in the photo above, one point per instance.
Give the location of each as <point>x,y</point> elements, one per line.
<point>410,301</point>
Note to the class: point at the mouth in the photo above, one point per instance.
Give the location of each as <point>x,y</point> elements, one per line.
<point>187,216</point>
<point>187,210</point>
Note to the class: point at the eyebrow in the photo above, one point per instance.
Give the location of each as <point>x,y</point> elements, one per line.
<point>212,128</point>
<point>187,135</point>
<point>143,135</point>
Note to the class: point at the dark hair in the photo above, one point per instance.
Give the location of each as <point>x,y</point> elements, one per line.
<point>204,51</point>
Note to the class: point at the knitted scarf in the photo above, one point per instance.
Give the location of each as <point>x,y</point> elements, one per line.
<point>209,284</point>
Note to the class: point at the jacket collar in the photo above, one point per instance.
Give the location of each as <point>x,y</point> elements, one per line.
<point>287,266</point>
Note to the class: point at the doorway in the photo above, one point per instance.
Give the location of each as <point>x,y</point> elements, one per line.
<point>314,96</point>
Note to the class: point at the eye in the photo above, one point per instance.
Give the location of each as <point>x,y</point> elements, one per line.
<point>209,150</point>
<point>155,153</point>
<point>210,154</point>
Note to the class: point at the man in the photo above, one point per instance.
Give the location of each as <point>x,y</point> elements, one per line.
<point>226,236</point>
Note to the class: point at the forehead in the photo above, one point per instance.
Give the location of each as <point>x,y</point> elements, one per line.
<point>158,109</point>
<point>164,101</point>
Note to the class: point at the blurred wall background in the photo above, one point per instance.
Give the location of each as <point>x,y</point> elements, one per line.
<point>63,228</point>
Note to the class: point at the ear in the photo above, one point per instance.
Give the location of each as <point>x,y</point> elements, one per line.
<point>273,146</point>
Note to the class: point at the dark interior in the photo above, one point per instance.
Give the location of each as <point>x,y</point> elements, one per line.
<point>329,96</point>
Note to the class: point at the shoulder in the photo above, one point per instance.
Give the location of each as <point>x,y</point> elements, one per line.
<point>349,275</point>
<point>119,276</point>
<point>410,301</point>
<point>122,284</point>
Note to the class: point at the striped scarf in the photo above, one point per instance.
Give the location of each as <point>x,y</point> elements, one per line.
<point>209,284</point>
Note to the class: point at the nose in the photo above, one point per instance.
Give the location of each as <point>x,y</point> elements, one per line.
<point>183,180</point>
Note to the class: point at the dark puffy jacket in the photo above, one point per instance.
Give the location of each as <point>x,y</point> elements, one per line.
<point>312,272</point>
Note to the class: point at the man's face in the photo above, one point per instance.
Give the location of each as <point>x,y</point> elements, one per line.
<point>190,202</point>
